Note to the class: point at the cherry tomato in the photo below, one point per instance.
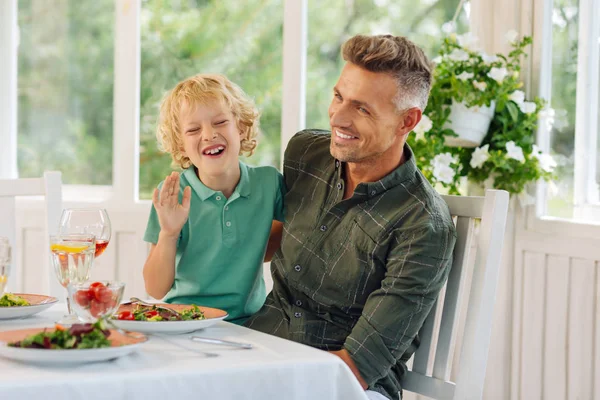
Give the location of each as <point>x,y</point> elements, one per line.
<point>81,298</point>
<point>126,315</point>
<point>103,294</point>
<point>151,314</point>
<point>95,285</point>
<point>97,308</point>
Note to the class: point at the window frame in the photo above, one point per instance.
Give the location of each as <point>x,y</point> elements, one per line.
<point>586,202</point>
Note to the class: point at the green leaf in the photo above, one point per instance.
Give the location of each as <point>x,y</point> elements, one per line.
<point>512,109</point>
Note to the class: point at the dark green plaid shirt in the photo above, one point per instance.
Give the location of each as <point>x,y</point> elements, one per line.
<point>362,273</point>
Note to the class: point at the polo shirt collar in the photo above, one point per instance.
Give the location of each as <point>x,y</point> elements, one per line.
<point>204,192</point>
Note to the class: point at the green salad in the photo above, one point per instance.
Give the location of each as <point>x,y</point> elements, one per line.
<point>154,313</point>
<point>78,336</point>
<point>12,300</point>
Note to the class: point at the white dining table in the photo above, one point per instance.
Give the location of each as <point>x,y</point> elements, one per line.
<point>170,367</point>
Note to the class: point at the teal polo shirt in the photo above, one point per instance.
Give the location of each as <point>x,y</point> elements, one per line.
<point>221,247</point>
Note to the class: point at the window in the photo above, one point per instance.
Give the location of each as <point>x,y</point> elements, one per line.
<point>65,89</point>
<point>330,23</point>
<point>574,93</point>
<point>242,40</point>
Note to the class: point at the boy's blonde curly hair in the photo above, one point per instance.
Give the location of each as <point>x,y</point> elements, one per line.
<point>201,89</point>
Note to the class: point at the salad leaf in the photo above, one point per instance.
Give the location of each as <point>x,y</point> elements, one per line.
<point>79,336</point>
<point>12,300</point>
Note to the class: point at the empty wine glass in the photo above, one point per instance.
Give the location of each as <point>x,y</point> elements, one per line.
<point>92,221</point>
<point>72,257</point>
<point>4,262</point>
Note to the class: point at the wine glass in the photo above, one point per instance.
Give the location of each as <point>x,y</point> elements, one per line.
<point>92,221</point>
<point>4,262</point>
<point>72,257</point>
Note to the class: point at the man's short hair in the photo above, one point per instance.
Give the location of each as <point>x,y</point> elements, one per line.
<point>398,56</point>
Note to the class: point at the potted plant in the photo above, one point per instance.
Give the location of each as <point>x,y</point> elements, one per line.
<point>505,157</point>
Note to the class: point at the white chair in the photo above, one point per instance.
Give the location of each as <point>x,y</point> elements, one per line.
<point>50,187</point>
<point>438,335</point>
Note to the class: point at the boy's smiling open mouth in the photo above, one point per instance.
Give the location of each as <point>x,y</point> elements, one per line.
<point>214,151</point>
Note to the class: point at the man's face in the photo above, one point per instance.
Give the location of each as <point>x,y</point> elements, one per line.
<point>365,124</point>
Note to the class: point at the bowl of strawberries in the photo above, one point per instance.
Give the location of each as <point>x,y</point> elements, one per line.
<point>94,300</point>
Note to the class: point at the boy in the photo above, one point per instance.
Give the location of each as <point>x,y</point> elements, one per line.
<point>209,226</point>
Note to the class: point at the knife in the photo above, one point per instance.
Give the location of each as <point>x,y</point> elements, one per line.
<point>221,342</point>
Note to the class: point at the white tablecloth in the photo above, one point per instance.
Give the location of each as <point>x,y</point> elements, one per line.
<point>274,369</point>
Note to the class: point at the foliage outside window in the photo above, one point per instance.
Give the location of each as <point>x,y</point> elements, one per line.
<point>65,89</point>
<point>241,39</point>
<point>565,32</point>
<point>331,22</point>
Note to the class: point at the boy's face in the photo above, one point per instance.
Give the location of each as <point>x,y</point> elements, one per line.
<point>211,137</point>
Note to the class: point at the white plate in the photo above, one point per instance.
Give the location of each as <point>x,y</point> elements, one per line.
<point>122,346</point>
<point>213,315</point>
<point>38,303</point>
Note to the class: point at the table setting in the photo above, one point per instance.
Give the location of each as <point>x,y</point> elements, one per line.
<point>109,347</point>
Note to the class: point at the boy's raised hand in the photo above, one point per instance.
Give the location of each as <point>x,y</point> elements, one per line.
<point>172,215</point>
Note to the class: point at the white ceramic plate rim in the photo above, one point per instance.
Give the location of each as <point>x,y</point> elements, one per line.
<point>63,357</point>
<point>167,326</point>
<point>24,311</point>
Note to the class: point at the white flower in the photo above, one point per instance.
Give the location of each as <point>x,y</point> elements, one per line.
<point>547,117</point>
<point>467,40</point>
<point>444,174</point>
<point>437,60</point>
<point>442,171</point>
<point>487,58</point>
<point>480,85</point>
<point>448,27</point>
<point>518,96</point>
<point>480,156</point>
<point>560,119</point>
<point>423,126</point>
<point>444,159</point>
<point>527,107</point>
<point>515,152</point>
<point>498,74</point>
<point>465,75</point>
<point>511,36</point>
<point>458,55</point>
<point>547,163</point>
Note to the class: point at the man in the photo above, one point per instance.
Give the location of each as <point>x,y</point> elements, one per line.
<point>367,242</point>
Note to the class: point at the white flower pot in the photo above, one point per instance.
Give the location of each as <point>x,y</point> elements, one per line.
<point>469,123</point>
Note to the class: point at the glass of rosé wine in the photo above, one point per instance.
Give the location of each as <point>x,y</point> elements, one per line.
<point>92,221</point>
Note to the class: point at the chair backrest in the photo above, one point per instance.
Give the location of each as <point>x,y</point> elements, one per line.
<point>430,373</point>
<point>50,187</point>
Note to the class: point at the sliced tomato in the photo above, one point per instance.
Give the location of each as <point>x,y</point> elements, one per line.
<point>151,314</point>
